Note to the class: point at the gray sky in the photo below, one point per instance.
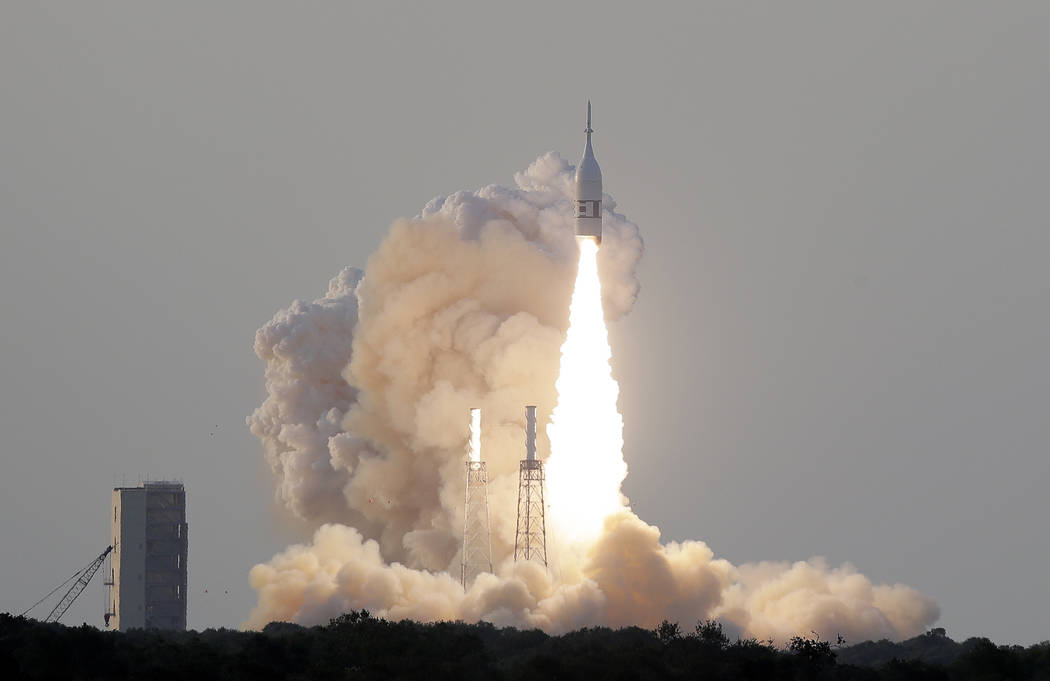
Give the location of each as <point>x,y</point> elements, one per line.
<point>840,345</point>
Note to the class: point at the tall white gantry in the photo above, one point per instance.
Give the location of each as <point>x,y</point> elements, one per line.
<point>477,546</point>
<point>147,575</point>
<point>530,540</point>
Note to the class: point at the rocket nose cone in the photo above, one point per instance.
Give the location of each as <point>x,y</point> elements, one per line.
<point>588,171</point>
<point>588,168</point>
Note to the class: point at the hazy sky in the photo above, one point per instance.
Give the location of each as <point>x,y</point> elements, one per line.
<point>840,348</point>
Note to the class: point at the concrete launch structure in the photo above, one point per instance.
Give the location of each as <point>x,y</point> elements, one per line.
<point>147,576</point>
<point>589,191</point>
<point>530,540</point>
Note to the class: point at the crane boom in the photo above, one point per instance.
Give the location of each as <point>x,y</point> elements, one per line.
<point>74,591</point>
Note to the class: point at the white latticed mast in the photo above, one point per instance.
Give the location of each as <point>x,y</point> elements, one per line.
<point>530,542</point>
<point>477,547</point>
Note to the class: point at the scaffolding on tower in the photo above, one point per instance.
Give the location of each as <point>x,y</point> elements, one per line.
<point>477,545</point>
<point>530,541</point>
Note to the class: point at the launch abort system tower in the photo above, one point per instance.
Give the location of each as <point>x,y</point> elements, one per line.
<point>477,546</point>
<point>530,542</point>
<point>589,191</point>
<point>147,576</point>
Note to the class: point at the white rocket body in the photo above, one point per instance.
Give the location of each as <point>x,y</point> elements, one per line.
<point>589,191</point>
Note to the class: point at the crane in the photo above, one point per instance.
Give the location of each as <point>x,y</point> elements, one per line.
<point>83,577</point>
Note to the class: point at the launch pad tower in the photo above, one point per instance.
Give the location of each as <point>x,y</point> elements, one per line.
<point>147,572</point>
<point>530,542</point>
<point>477,545</point>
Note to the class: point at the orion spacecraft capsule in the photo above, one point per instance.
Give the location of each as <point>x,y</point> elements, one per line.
<point>589,191</point>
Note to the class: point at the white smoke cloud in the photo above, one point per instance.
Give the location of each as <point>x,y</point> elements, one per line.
<point>365,425</point>
<point>306,347</point>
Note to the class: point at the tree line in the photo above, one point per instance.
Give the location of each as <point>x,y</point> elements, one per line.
<point>359,646</point>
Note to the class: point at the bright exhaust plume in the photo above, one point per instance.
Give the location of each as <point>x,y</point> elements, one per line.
<point>586,465</point>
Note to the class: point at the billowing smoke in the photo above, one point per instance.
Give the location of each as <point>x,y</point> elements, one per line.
<point>366,423</point>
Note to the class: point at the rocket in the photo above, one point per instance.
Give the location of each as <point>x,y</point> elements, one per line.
<point>589,191</point>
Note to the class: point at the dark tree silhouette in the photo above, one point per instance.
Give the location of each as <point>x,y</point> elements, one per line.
<point>358,645</point>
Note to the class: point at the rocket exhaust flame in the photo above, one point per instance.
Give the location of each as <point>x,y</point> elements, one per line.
<point>586,465</point>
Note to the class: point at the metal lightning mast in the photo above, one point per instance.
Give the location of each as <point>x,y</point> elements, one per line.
<point>530,542</point>
<point>477,545</point>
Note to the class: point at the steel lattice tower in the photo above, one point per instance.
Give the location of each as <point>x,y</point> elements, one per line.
<point>477,546</point>
<point>530,542</point>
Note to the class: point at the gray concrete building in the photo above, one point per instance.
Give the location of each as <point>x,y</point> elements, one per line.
<point>147,575</point>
